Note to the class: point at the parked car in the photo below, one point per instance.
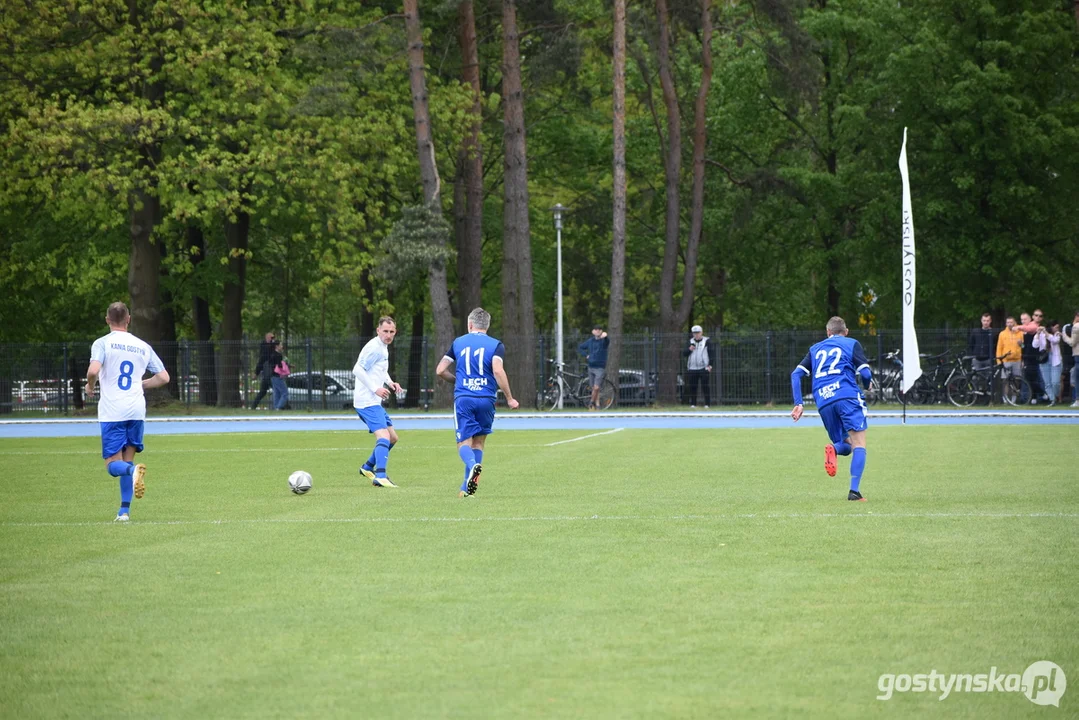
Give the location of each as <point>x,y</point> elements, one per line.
<point>335,386</point>
<point>638,388</point>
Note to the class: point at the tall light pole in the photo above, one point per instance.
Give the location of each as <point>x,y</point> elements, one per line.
<point>557,210</point>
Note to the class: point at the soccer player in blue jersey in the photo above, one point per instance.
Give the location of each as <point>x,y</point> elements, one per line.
<point>479,374</point>
<point>119,360</point>
<point>833,364</point>
<point>373,385</point>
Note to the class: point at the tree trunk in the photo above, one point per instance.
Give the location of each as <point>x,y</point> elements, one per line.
<point>414,381</point>
<point>674,319</point>
<point>436,276</point>
<point>204,346</point>
<point>516,226</point>
<point>231,361</point>
<point>145,210</point>
<point>144,271</point>
<point>669,356</point>
<point>618,224</point>
<point>468,193</point>
<point>367,316</point>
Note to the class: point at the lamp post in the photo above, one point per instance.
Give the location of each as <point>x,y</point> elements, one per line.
<point>557,210</point>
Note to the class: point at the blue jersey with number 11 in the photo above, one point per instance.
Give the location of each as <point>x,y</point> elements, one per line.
<point>474,354</point>
<point>834,365</point>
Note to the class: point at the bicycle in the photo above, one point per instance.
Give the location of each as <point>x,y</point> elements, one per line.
<point>886,388</point>
<point>997,381</point>
<point>572,387</point>
<point>959,385</point>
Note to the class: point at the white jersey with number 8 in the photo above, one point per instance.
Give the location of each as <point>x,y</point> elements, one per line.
<point>124,361</point>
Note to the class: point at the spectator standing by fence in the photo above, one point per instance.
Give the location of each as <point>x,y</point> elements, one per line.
<point>981,343</point>
<point>280,372</point>
<point>1010,347</point>
<point>595,350</point>
<point>1031,325</point>
<point>700,352</point>
<point>1049,361</point>
<point>1070,335</point>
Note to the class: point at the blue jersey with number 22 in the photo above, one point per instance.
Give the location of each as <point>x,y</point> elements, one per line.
<point>834,365</point>
<point>474,354</point>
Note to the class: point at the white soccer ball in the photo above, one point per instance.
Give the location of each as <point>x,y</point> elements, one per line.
<point>300,482</point>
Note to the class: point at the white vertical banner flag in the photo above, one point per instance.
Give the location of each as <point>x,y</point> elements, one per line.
<point>912,364</point>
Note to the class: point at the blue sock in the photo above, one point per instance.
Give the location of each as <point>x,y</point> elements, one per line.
<point>381,455</point>
<point>479,455</point>
<point>119,468</point>
<point>127,489</point>
<point>841,448</point>
<point>468,457</point>
<point>857,467</point>
<point>370,464</point>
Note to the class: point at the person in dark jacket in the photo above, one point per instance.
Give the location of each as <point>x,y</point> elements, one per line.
<point>982,343</point>
<point>264,368</point>
<point>700,352</point>
<point>595,349</point>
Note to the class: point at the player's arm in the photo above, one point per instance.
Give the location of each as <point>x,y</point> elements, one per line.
<point>503,381</point>
<point>97,357</point>
<point>443,370</point>
<point>158,379</point>
<point>91,376</point>
<point>800,371</point>
<point>160,375</point>
<point>861,365</point>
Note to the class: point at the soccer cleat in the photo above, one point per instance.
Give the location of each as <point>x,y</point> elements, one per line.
<point>855,496</point>
<point>829,460</point>
<point>369,474</point>
<point>473,479</point>
<point>140,480</point>
<point>122,518</point>
<point>382,482</point>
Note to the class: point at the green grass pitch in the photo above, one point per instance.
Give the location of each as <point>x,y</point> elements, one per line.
<point>637,574</point>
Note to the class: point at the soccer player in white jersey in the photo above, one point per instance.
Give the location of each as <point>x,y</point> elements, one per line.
<point>373,385</point>
<point>119,360</point>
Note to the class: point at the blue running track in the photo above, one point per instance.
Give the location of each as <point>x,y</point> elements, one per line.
<point>510,420</point>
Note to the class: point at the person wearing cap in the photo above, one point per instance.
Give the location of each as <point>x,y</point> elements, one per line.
<point>700,352</point>
<point>595,349</point>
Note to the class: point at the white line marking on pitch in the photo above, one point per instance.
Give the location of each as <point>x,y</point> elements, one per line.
<point>584,437</point>
<point>555,518</point>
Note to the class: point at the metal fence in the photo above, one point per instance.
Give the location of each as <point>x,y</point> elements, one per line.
<point>752,368</point>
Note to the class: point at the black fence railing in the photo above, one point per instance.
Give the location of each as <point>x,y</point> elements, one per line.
<point>752,368</point>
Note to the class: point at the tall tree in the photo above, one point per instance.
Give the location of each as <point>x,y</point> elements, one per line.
<point>673,318</point>
<point>468,188</point>
<point>518,311</point>
<point>440,300</point>
<point>618,192</point>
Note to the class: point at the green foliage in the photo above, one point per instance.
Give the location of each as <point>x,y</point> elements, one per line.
<point>300,116</point>
<point>418,240</point>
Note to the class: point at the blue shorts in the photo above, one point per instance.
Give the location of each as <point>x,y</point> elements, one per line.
<point>375,417</point>
<point>115,436</point>
<point>473,416</point>
<point>842,417</point>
